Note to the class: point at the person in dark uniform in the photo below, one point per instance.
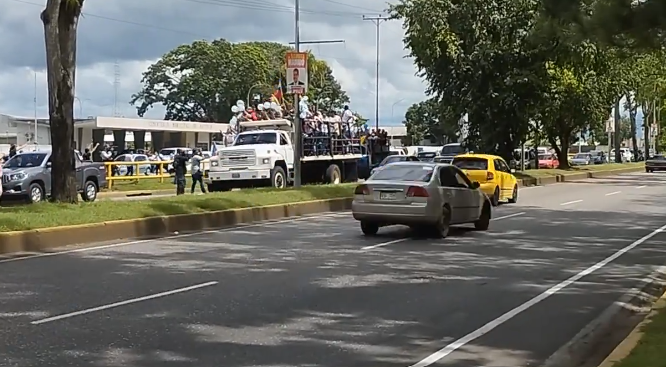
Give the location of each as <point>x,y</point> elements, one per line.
<point>179,165</point>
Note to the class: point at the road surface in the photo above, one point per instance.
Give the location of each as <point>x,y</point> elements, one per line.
<point>313,292</point>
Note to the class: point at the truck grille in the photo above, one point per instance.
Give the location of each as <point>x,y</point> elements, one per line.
<point>238,158</point>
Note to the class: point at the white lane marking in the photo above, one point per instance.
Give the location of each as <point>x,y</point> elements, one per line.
<point>123,303</point>
<point>640,187</point>
<point>613,193</point>
<point>384,244</point>
<point>139,242</point>
<point>485,329</point>
<point>572,202</point>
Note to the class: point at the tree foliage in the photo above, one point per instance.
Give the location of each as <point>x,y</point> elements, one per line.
<point>201,81</point>
<point>521,70</point>
<point>433,120</point>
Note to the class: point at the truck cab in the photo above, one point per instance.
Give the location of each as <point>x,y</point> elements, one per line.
<point>262,155</point>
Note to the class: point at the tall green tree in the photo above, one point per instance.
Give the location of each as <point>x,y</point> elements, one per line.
<point>61,19</point>
<point>477,59</point>
<point>433,120</point>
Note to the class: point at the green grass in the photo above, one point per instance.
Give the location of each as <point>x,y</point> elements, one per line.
<point>144,184</point>
<point>537,173</point>
<point>45,215</point>
<point>651,349</point>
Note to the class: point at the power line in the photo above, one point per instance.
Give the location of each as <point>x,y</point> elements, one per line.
<point>172,30</point>
<point>378,20</point>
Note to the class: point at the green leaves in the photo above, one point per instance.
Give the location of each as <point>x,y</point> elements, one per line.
<point>431,119</point>
<point>201,81</point>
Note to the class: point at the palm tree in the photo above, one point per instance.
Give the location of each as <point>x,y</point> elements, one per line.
<point>61,19</point>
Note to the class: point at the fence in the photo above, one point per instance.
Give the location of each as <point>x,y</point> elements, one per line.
<point>146,170</point>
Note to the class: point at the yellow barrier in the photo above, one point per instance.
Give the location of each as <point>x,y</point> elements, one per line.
<point>159,167</point>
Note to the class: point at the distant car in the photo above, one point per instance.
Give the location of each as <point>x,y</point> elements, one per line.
<point>422,195</point>
<point>393,159</point>
<point>492,173</point>
<point>656,163</point>
<point>599,157</point>
<point>426,156</point>
<point>582,159</point>
<point>548,161</point>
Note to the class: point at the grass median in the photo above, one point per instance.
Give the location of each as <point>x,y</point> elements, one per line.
<point>651,349</point>
<point>541,173</point>
<point>45,215</point>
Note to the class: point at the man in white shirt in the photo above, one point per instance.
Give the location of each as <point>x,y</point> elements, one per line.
<point>347,116</point>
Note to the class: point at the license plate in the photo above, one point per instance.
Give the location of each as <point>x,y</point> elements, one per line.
<point>388,196</point>
<point>235,175</point>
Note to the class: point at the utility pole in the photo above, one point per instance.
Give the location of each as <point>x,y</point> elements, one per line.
<point>378,21</point>
<point>116,88</point>
<point>617,143</point>
<point>298,126</point>
<point>34,138</point>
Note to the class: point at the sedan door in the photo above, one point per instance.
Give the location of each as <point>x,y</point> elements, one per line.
<point>451,193</point>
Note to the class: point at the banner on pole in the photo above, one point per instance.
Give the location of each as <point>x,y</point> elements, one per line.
<point>610,125</point>
<point>297,72</point>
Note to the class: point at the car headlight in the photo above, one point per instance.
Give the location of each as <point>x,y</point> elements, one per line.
<point>266,161</point>
<point>17,176</point>
<point>214,163</point>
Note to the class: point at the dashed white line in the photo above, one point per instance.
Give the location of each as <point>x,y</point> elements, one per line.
<point>139,242</point>
<point>641,187</point>
<point>123,303</point>
<point>485,329</point>
<point>572,202</point>
<point>384,244</point>
<point>613,193</point>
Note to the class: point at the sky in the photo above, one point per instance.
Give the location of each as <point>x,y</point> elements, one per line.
<point>128,35</point>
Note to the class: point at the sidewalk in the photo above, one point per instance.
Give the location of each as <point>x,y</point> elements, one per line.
<point>645,346</point>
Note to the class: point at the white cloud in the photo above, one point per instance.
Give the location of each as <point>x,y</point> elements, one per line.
<point>136,33</point>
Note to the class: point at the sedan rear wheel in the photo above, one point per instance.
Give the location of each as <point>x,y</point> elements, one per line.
<point>441,229</point>
<point>369,228</point>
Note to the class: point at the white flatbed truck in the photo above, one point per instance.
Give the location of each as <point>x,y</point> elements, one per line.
<point>262,155</point>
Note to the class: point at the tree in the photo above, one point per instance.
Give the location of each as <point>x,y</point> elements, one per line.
<point>201,81</point>
<point>477,59</point>
<point>431,119</point>
<point>613,22</point>
<point>60,19</point>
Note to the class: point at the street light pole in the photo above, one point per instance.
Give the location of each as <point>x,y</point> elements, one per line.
<point>377,21</point>
<point>395,104</point>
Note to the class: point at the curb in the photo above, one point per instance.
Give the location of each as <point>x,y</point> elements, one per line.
<point>631,341</point>
<point>540,181</point>
<point>597,339</point>
<point>39,240</point>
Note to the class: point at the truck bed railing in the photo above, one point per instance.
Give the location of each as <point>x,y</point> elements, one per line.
<point>330,143</point>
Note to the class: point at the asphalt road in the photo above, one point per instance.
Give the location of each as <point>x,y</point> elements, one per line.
<point>313,292</point>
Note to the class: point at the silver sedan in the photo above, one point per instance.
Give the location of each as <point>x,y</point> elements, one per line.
<point>422,195</point>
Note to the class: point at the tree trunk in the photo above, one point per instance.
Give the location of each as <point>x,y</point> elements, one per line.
<point>60,19</point>
<point>562,150</point>
<point>98,138</point>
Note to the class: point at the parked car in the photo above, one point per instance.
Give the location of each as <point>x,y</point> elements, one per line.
<point>581,159</point>
<point>548,161</point>
<point>599,157</point>
<point>28,175</point>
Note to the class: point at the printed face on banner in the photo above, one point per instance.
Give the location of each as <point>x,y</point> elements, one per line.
<point>297,72</point>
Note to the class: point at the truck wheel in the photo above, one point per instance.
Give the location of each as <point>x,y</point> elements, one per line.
<point>333,175</point>
<point>35,193</point>
<point>278,178</point>
<point>89,191</point>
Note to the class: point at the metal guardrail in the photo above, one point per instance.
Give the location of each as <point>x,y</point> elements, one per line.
<point>147,170</point>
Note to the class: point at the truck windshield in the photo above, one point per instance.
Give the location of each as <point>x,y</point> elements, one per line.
<point>25,160</point>
<point>256,138</point>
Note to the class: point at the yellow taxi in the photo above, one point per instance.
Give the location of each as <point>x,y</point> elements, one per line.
<point>492,173</point>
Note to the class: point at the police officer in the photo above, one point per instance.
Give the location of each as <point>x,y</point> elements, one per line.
<point>179,165</point>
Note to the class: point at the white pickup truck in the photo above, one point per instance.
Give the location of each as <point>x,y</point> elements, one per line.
<point>262,155</point>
